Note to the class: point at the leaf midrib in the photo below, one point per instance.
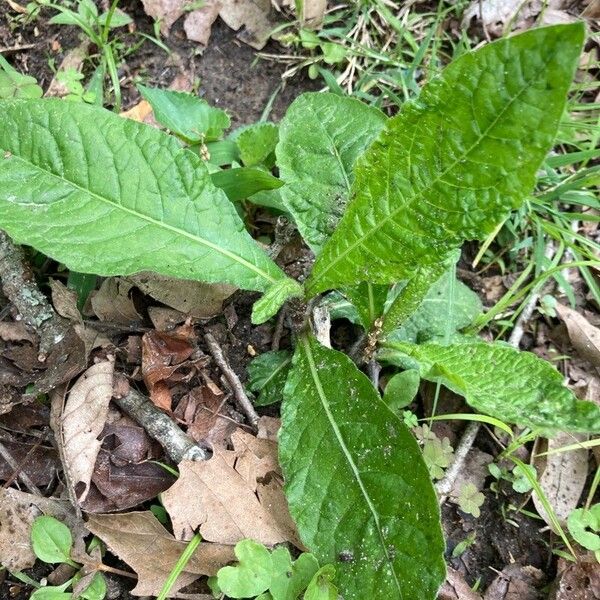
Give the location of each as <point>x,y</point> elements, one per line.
<point>148,219</point>
<point>338,434</point>
<point>421,192</point>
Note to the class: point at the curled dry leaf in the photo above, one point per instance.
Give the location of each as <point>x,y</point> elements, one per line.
<point>516,582</point>
<point>561,476</point>
<point>17,513</point>
<point>112,302</point>
<point>235,495</point>
<point>193,298</point>
<point>139,540</point>
<point>583,335</point>
<point>82,421</point>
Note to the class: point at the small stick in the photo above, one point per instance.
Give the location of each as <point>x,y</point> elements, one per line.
<point>278,329</point>
<point>177,444</point>
<point>12,463</point>
<point>234,381</point>
<point>20,288</point>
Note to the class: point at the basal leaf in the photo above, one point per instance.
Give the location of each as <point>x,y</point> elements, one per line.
<point>244,182</point>
<point>257,143</point>
<point>267,374</point>
<point>454,162</point>
<point>448,307</point>
<point>51,540</point>
<point>320,138</point>
<point>356,483</point>
<point>186,115</point>
<point>498,380</point>
<point>369,300</point>
<point>274,298</point>
<point>110,196</point>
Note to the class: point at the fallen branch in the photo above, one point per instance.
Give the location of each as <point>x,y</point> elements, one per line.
<point>177,444</point>
<point>21,289</point>
<point>234,381</point>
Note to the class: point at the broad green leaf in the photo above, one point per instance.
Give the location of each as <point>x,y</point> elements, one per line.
<point>223,152</point>
<point>321,587</point>
<point>356,483</point>
<point>270,199</point>
<point>251,576</point>
<point>267,374</point>
<point>51,540</point>
<point>498,380</point>
<point>257,143</point>
<point>96,590</point>
<point>448,307</point>
<point>274,298</point>
<point>51,593</point>
<point>401,389</point>
<point>584,526</point>
<point>454,162</point>
<point>320,138</point>
<point>15,85</point>
<point>186,115</point>
<point>244,182</point>
<point>110,196</point>
<point>290,584</point>
<point>368,300</point>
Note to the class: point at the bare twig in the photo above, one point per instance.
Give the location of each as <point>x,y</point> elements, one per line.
<point>20,288</point>
<point>234,381</point>
<point>445,485</point>
<point>12,463</point>
<point>177,444</point>
<point>278,329</point>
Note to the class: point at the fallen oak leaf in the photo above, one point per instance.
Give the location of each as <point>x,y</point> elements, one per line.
<point>82,421</point>
<point>139,540</point>
<point>222,496</point>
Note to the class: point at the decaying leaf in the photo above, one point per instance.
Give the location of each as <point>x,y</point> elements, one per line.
<point>166,12</point>
<point>17,513</point>
<point>456,588</point>
<point>73,60</point>
<point>561,476</point>
<point>198,23</point>
<point>577,581</point>
<point>583,335</point>
<point>16,331</point>
<point>516,582</point>
<point>82,421</point>
<point>253,16</point>
<point>193,298</point>
<point>112,302</point>
<point>64,301</point>
<point>139,540</point>
<point>312,12</point>
<point>234,495</point>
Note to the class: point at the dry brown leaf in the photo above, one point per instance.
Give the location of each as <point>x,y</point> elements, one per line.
<point>139,540</point>
<point>194,298</point>
<point>139,112</point>
<point>164,11</point>
<point>456,588</point>
<point>583,335</point>
<point>253,16</point>
<point>198,23</point>
<point>516,582</point>
<point>312,12</point>
<point>577,581</point>
<point>82,421</point>
<point>17,513</point>
<point>222,496</point>
<point>495,15</point>
<point>112,302</point>
<point>16,331</point>
<point>73,60</point>
<point>65,301</point>
<point>561,476</point>
<point>165,319</point>
<point>17,7</point>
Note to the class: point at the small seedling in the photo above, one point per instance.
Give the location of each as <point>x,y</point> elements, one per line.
<point>584,526</point>
<point>470,500</point>
<point>52,542</point>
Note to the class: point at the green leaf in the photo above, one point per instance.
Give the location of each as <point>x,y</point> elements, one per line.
<point>256,142</point>
<point>498,380</point>
<point>368,300</point>
<point>448,307</point>
<point>401,389</point>
<point>289,584</point>
<point>96,590</point>
<point>15,85</point>
<point>110,196</point>
<point>186,115</point>
<point>51,593</point>
<point>454,162</point>
<point>223,152</point>
<point>243,182</point>
<point>356,483</point>
<point>584,526</point>
<point>320,138</point>
<point>252,576</point>
<point>470,500</point>
<point>267,374</point>
<point>51,540</point>
<point>321,587</point>
<point>118,19</point>
<point>274,298</point>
